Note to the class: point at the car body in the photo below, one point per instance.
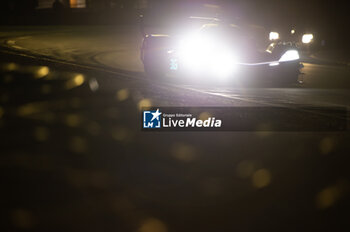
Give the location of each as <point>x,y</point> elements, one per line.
<point>217,51</point>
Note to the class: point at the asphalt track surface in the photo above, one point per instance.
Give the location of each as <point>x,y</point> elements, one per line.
<point>74,158</point>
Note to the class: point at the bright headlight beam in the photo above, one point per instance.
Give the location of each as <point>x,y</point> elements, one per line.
<point>202,54</point>
<point>274,35</point>
<point>307,38</point>
<point>289,56</point>
<point>223,64</point>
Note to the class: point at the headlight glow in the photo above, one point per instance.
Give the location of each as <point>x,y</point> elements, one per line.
<point>289,56</point>
<point>307,38</point>
<point>204,55</point>
<point>274,35</point>
<point>223,64</point>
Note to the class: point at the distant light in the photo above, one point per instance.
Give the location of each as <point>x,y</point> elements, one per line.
<point>42,72</point>
<point>77,3</point>
<point>76,81</point>
<point>289,56</point>
<point>292,31</point>
<point>274,35</point>
<point>307,38</point>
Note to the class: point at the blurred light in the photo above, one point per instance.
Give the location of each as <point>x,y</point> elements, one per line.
<point>261,178</point>
<point>289,56</point>
<point>76,81</point>
<point>274,35</point>
<point>10,67</point>
<point>122,94</point>
<point>223,64</point>
<point>202,54</point>
<point>144,103</point>
<point>42,72</point>
<point>307,38</point>
<point>193,50</point>
<point>274,64</point>
<point>93,84</point>
<point>292,31</point>
<point>77,3</point>
<point>327,197</point>
<point>204,116</point>
<point>73,120</point>
<point>152,225</point>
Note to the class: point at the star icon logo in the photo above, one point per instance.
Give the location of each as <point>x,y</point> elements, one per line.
<point>156,115</point>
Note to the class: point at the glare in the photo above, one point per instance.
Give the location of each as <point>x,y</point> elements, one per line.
<point>307,38</point>
<point>223,64</point>
<point>292,31</point>
<point>76,81</point>
<point>274,64</point>
<point>194,50</point>
<point>42,72</point>
<point>289,56</point>
<point>274,35</point>
<point>201,54</point>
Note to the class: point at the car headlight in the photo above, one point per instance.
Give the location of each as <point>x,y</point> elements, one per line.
<point>203,54</point>
<point>274,35</point>
<point>194,49</point>
<point>289,56</point>
<point>307,38</point>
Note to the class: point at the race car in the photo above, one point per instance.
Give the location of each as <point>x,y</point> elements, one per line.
<point>219,51</point>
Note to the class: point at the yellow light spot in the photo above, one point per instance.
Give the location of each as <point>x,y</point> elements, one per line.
<point>10,67</point>
<point>204,116</point>
<point>22,218</point>
<point>78,145</point>
<point>41,134</point>
<point>30,109</point>
<point>73,120</point>
<point>261,178</point>
<point>326,145</point>
<point>152,225</point>
<point>76,81</point>
<point>46,89</point>
<point>42,72</point>
<point>144,103</point>
<point>122,95</point>
<point>183,152</point>
<point>327,197</point>
<point>245,169</point>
